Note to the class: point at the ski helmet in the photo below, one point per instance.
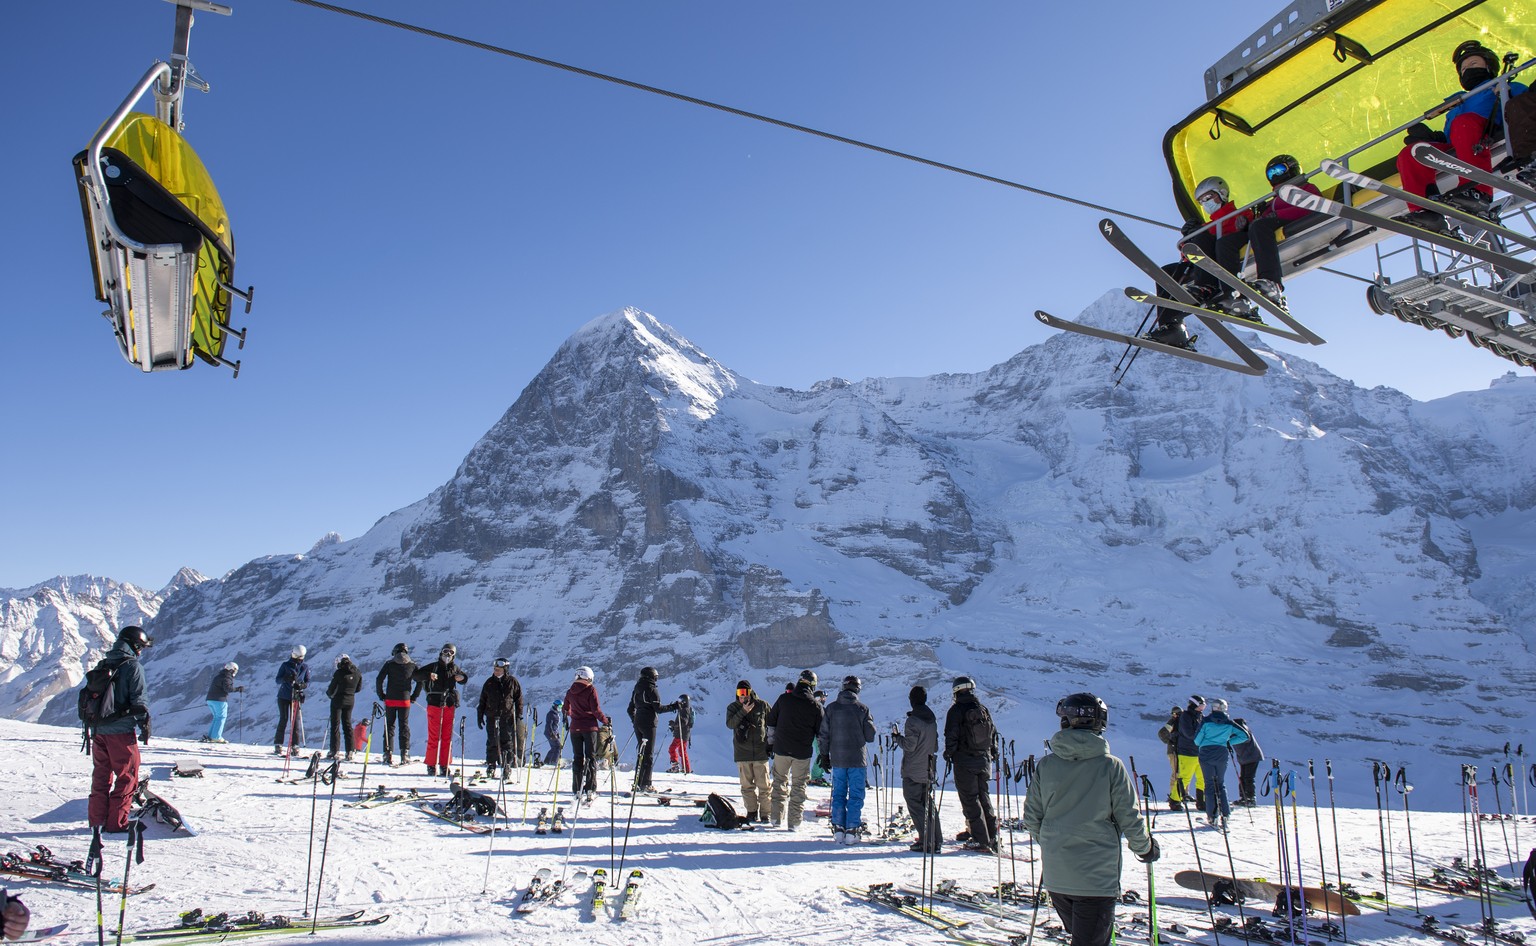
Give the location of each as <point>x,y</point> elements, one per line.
<point>232,667</point>
<point>343,659</point>
<point>1213,185</point>
<point>584,673</point>
<point>819,696</point>
<point>1218,706</point>
<point>135,638</point>
<point>808,676</point>
<point>1474,48</point>
<point>501,663</point>
<point>400,648</point>
<point>298,652</point>
<point>964,683</point>
<point>1083,711</point>
<point>648,673</point>
<point>558,704</point>
<point>852,683</point>
<point>1282,168</point>
<point>448,652</point>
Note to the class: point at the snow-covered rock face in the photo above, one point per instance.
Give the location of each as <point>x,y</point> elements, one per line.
<point>1351,568</point>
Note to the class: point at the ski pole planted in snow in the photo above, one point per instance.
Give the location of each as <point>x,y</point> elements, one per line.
<point>332,776</point>
<point>1400,782</point>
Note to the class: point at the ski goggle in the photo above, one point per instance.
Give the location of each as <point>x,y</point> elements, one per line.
<point>502,663</point>
<point>743,692</point>
<point>1276,173</point>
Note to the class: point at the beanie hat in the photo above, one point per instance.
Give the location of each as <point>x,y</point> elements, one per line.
<point>743,685</point>
<point>918,696</point>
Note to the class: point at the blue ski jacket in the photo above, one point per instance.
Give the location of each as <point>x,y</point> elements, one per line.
<point>1219,730</point>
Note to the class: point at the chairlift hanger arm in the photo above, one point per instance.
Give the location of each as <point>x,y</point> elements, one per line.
<point>169,93</point>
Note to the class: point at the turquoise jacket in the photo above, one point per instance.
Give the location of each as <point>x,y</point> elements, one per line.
<point>1080,803</point>
<point>1218,730</point>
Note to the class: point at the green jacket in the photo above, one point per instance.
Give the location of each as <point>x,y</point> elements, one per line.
<point>1080,802</point>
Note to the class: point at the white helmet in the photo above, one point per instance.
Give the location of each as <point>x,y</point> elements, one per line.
<point>299,652</point>
<point>232,667</point>
<point>584,673</point>
<point>1213,185</point>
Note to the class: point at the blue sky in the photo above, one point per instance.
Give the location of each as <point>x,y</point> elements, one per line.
<point>425,223</point>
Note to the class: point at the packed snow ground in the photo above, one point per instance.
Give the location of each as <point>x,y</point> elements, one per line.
<point>702,886</point>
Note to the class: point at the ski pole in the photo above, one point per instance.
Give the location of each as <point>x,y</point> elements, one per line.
<point>93,866</point>
<point>1484,894</point>
<point>1274,782</point>
<point>135,852</point>
<point>1338,858</point>
<point>1509,776</point>
<point>1381,831</point>
<point>332,775</point>
<point>633,792</point>
<point>1400,782</point>
<point>1210,910</point>
<point>1301,886</point>
<point>1322,859</point>
<point>1493,776</point>
<point>314,803</point>
<point>378,711</point>
<point>461,750</point>
<point>1146,790</point>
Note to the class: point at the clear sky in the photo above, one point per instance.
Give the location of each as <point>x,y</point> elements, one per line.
<point>425,223</point>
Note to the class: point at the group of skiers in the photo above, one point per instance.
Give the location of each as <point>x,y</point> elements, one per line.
<point>1472,127</point>
<point>1200,737</point>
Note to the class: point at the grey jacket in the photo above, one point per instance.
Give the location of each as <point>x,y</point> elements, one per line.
<point>846,728</point>
<point>1248,753</point>
<point>919,744</point>
<point>1079,804</point>
<point>129,692</point>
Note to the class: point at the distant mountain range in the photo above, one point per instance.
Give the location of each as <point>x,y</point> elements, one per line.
<point>1351,568</point>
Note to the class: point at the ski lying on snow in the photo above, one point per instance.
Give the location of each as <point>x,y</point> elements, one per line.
<point>197,921</point>
<point>599,891</point>
<point>272,926</point>
<point>631,894</point>
<point>466,825</point>
<point>39,935</point>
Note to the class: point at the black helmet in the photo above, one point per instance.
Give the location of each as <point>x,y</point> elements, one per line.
<point>400,648</point>
<point>135,637</point>
<point>964,683</point>
<point>1474,48</point>
<point>1083,711</point>
<point>1281,168</point>
<point>853,683</point>
<point>448,652</point>
<point>647,673</point>
<point>808,676</point>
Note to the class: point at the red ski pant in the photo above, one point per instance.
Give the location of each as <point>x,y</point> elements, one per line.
<point>114,779</point>
<point>677,754</point>
<point>440,735</point>
<point>1466,134</point>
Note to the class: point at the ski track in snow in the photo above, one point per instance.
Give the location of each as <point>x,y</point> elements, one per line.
<point>701,886</point>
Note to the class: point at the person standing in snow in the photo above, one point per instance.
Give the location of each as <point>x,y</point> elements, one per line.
<point>747,718</point>
<point>795,719</point>
<point>292,681</point>
<point>970,746</point>
<point>584,716</point>
<point>218,700</point>
<point>440,680</point>
<point>1213,741</point>
<point>552,732</point>
<point>681,726</point>
<point>1189,753</point>
<point>397,687</point>
<point>1249,755</point>
<point>644,706</point>
<point>1079,804</point>
<point>919,745</point>
<point>345,684</point>
<point>1168,734</point>
<point>115,740</point>
<point>846,728</point>
<point>818,771</point>
<point>499,709</point>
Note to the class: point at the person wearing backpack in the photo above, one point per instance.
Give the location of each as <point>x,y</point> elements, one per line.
<point>1168,734</point>
<point>1189,754</point>
<point>747,718</point>
<point>345,684</point>
<point>292,681</point>
<point>397,686</point>
<point>121,722</point>
<point>846,728</point>
<point>218,700</point>
<point>1249,755</point>
<point>919,745</point>
<point>1079,805</point>
<point>970,745</point>
<point>440,680</point>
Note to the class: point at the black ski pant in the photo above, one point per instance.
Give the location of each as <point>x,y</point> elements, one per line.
<point>645,738</point>
<point>397,717</point>
<point>971,785</point>
<point>280,738</point>
<point>1090,921</point>
<point>1245,774</point>
<point>500,742</point>
<point>341,728</point>
<point>584,761</point>
<point>1225,250</point>
<point>552,757</point>
<point>1263,237</point>
<point>919,799</point>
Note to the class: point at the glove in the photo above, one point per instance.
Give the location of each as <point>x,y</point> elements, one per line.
<point>1153,853</point>
<point>949,758</point>
<point>239,689</point>
<point>144,730</point>
<point>825,762</point>
<point>480,721</point>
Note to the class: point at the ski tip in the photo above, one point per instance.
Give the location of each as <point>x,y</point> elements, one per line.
<point>1043,316</point>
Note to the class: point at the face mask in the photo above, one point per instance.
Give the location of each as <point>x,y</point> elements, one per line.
<point>1474,77</point>
<point>1211,204</point>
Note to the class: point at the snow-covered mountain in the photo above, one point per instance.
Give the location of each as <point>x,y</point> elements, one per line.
<point>1350,567</point>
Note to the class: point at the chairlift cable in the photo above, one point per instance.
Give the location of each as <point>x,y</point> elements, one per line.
<point>742,113</point>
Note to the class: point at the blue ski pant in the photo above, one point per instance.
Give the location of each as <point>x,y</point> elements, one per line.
<point>847,797</point>
<point>1213,765</point>
<point>220,711</point>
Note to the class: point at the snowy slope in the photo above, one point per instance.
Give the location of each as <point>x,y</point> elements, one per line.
<point>1349,567</point>
<point>441,884</point>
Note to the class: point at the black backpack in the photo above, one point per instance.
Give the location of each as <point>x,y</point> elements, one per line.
<point>98,695</point>
<point>976,730</point>
<point>720,813</point>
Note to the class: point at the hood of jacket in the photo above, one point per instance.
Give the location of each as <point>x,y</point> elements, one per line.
<point>1075,745</point>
